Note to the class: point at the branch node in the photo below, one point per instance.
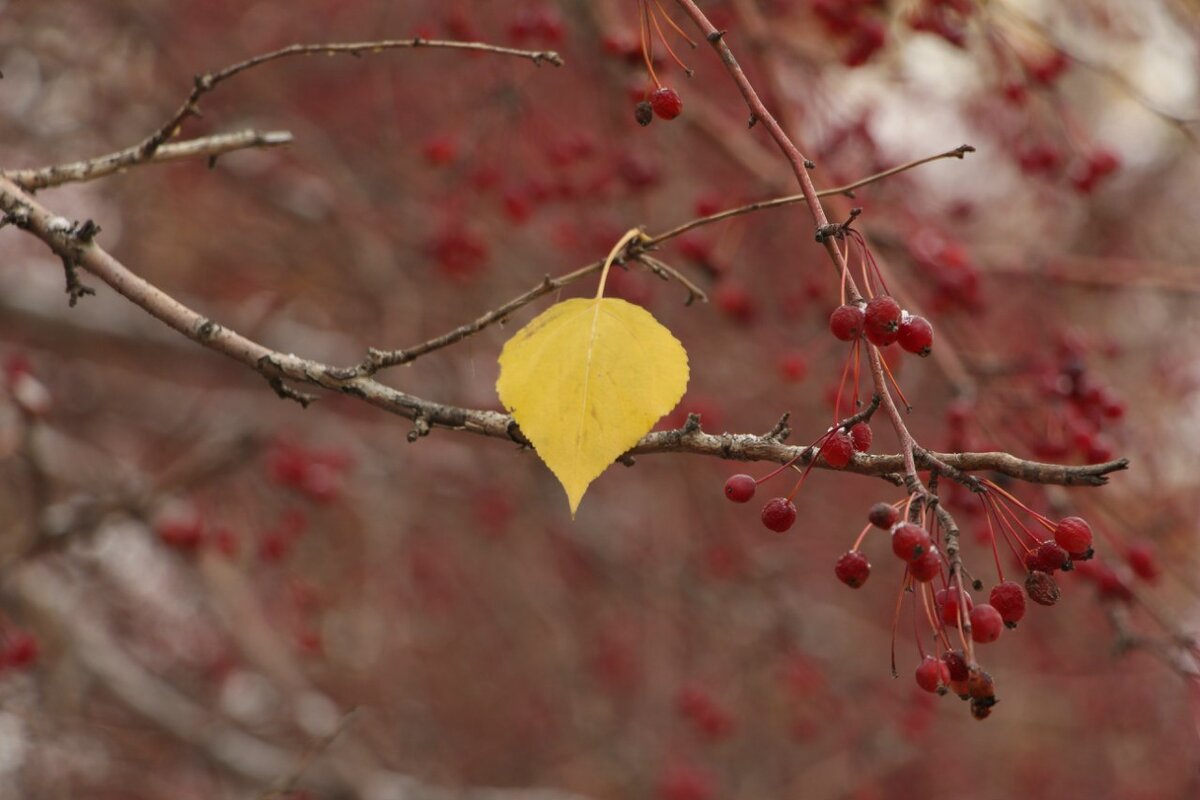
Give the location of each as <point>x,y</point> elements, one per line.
<point>286,392</point>
<point>207,330</point>
<point>421,427</point>
<point>781,431</point>
<point>692,425</point>
<point>716,36</point>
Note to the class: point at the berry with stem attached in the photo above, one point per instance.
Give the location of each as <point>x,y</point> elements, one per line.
<point>852,569</point>
<point>910,542</point>
<point>1047,557</point>
<point>986,623</point>
<point>846,322</point>
<point>1007,598</point>
<point>861,436</point>
<point>915,335</point>
<point>927,567</point>
<point>1074,535</point>
<point>1042,588</point>
<point>948,604</point>
<point>838,449</point>
<point>883,516</point>
<point>740,488</point>
<point>778,514</point>
<point>933,675</point>
<point>666,102</point>
<point>881,320</point>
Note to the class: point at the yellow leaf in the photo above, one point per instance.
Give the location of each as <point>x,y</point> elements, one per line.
<point>586,380</point>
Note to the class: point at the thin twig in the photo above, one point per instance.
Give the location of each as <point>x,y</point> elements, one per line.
<point>103,166</point>
<point>203,84</point>
<point>780,202</point>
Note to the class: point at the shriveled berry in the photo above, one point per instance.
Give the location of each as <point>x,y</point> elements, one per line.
<point>956,665</point>
<point>1047,557</point>
<point>778,514</point>
<point>838,449</point>
<point>643,113</point>
<point>933,675</point>
<point>1008,599</point>
<point>948,605</point>
<point>986,623</point>
<point>981,687</point>
<point>916,335</point>
<point>852,569</point>
<point>666,103</point>
<point>846,322</point>
<point>861,436</point>
<point>1073,534</point>
<point>910,542</point>
<point>883,516</point>
<point>740,488</point>
<point>1042,588</point>
<point>881,320</point>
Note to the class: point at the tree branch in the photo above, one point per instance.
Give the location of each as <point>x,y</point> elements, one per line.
<point>274,365</point>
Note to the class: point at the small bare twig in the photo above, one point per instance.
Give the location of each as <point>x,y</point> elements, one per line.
<point>205,83</point>
<point>103,166</point>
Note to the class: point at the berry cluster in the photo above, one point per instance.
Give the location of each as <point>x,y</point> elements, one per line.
<point>836,447</point>
<point>663,102</point>
<point>930,555</point>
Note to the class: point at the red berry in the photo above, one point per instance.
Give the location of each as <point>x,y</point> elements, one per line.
<point>1042,588</point>
<point>881,322</point>
<point>666,103</point>
<point>933,675</point>
<point>183,530</point>
<point>440,150</point>
<point>883,516</point>
<point>852,569</point>
<point>735,301</point>
<point>846,322</point>
<point>916,335</point>
<point>778,514</point>
<point>1047,557</point>
<point>860,435</point>
<point>683,782</point>
<point>838,449</point>
<point>910,542</point>
<point>1142,558</point>
<point>21,650</point>
<point>740,488</point>
<point>1074,534</point>
<point>986,623</point>
<point>1008,599</point>
<point>793,367</point>
<point>948,605</point>
<point>927,567</point>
